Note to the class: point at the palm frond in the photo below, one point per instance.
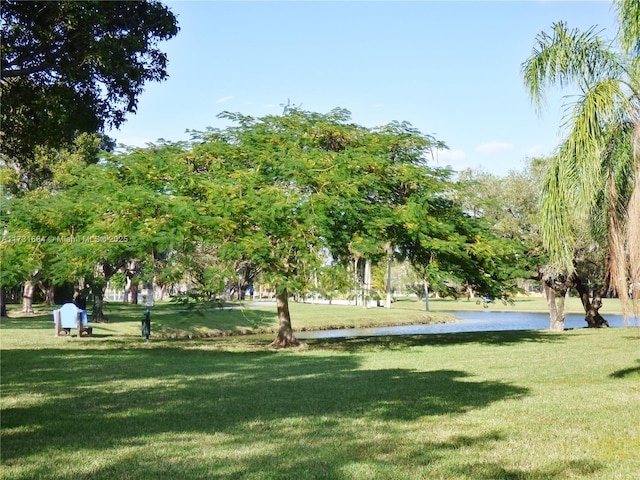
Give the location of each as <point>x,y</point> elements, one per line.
<point>568,57</point>
<point>558,235</point>
<point>590,118</point>
<point>629,20</point>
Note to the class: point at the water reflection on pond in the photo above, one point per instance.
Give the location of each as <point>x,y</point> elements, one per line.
<point>483,321</point>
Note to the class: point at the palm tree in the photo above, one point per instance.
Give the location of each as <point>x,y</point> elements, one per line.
<point>593,180</point>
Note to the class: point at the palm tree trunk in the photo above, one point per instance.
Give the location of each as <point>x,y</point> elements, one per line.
<point>633,240</point>
<point>556,307</point>
<point>356,280</point>
<point>366,284</point>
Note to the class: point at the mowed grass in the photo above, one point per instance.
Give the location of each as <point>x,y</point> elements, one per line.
<point>170,320</point>
<point>492,405</point>
<point>532,303</point>
<point>173,321</point>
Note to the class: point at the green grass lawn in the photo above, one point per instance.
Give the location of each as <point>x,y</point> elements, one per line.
<point>520,304</point>
<point>494,405</point>
<point>173,321</point>
<point>170,320</point>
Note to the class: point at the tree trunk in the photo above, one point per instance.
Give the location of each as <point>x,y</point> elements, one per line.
<point>366,284</point>
<point>356,280</point>
<point>316,293</point>
<point>389,262</point>
<point>98,285</point>
<point>27,297</point>
<point>127,290</point>
<point>591,308</point>
<point>134,291</point>
<point>3,303</point>
<point>556,308</point>
<point>163,291</point>
<point>98,290</point>
<point>48,292</point>
<point>131,290</point>
<point>98,303</point>
<point>285,336</point>
<point>426,295</point>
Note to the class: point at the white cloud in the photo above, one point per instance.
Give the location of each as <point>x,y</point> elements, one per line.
<point>454,158</point>
<point>225,99</point>
<point>536,150</point>
<point>493,147</point>
<point>450,155</point>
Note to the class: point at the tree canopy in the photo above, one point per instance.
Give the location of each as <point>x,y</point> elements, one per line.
<point>75,66</point>
<point>282,189</point>
<point>288,197</point>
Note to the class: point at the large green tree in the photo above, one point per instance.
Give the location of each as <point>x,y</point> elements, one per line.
<point>22,255</point>
<point>290,193</point>
<point>363,209</point>
<point>99,218</point>
<point>70,67</point>
<point>453,251</point>
<point>511,206</point>
<point>73,66</point>
<point>593,181</point>
<point>282,191</point>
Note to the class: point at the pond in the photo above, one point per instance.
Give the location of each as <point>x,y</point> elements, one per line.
<point>484,321</point>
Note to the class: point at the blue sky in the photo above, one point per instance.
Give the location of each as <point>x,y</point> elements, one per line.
<point>450,68</point>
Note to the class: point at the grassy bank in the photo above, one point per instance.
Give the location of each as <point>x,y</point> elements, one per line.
<point>520,304</point>
<point>170,320</point>
<point>500,405</point>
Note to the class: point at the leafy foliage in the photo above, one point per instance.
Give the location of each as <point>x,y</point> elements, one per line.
<point>294,198</point>
<point>75,66</point>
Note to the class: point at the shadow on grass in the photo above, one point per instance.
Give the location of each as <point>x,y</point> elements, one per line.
<point>195,320</point>
<point>94,399</point>
<point>28,322</point>
<point>167,320</point>
<point>627,372</point>
<point>170,318</point>
<point>393,342</point>
<point>557,470</point>
<point>264,414</point>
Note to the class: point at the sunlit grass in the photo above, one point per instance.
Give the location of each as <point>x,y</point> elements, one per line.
<point>520,304</point>
<point>495,405</point>
<point>170,320</point>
